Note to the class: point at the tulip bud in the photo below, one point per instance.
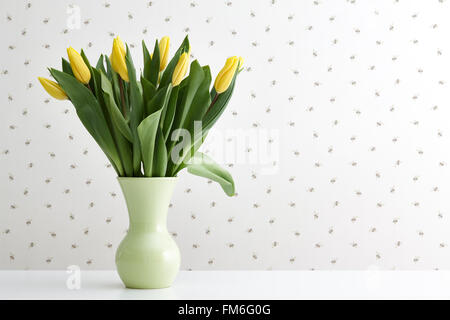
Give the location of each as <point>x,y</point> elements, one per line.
<point>163,52</point>
<point>53,89</point>
<point>225,75</point>
<point>118,59</point>
<point>79,68</point>
<point>180,69</point>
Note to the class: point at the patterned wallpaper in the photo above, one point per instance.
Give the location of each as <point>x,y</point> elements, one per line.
<point>352,97</point>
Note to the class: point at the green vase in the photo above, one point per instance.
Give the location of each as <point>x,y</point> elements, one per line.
<point>148,257</point>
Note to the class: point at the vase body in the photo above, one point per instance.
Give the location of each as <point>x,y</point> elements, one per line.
<point>148,257</point>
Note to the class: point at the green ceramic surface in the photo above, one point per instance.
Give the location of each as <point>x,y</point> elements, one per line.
<point>148,257</point>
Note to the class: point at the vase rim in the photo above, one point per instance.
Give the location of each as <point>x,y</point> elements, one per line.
<point>148,178</point>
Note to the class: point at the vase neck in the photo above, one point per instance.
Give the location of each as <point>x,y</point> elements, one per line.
<point>148,201</point>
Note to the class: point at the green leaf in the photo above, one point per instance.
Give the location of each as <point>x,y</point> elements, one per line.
<point>204,166</point>
<point>149,91</point>
<point>122,146</point>
<point>147,131</point>
<point>159,101</point>
<point>195,79</point>
<point>139,84</point>
<point>95,81</point>
<point>95,84</point>
<point>116,116</point>
<point>90,114</point>
<point>170,113</point>
<point>160,156</point>
<point>66,67</point>
<point>199,105</point>
<point>126,90</point>
<point>115,81</point>
<point>113,118</point>
<point>154,66</point>
<point>100,65</point>
<point>219,106</point>
<point>201,101</point>
<point>188,91</point>
<point>92,80</point>
<point>166,77</point>
<point>136,112</point>
<point>147,60</point>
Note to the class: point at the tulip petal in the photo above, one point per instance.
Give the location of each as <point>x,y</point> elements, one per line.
<point>225,75</point>
<point>79,67</point>
<point>164,52</point>
<point>180,70</point>
<point>118,59</point>
<point>53,89</point>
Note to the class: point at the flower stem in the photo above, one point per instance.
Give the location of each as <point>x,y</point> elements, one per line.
<point>212,103</point>
<point>122,97</point>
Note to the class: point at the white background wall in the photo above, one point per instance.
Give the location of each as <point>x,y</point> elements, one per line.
<point>354,96</point>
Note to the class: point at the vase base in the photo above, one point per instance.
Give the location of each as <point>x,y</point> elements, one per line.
<point>147,288</point>
<point>147,284</point>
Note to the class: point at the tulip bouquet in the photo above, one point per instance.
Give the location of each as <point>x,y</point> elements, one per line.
<point>154,124</point>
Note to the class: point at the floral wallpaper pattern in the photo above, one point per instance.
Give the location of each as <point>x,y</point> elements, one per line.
<point>351,95</point>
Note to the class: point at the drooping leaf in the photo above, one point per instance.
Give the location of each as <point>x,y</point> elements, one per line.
<point>147,131</point>
<point>204,166</point>
<point>198,137</point>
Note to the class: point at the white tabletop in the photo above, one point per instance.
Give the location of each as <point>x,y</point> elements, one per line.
<point>234,285</point>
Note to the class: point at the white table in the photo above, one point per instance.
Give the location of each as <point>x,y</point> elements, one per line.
<point>234,285</point>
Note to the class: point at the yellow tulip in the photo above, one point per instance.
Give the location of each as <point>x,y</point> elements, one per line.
<point>53,89</point>
<point>163,52</point>
<point>79,68</point>
<point>180,69</point>
<point>225,75</point>
<point>118,59</point>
